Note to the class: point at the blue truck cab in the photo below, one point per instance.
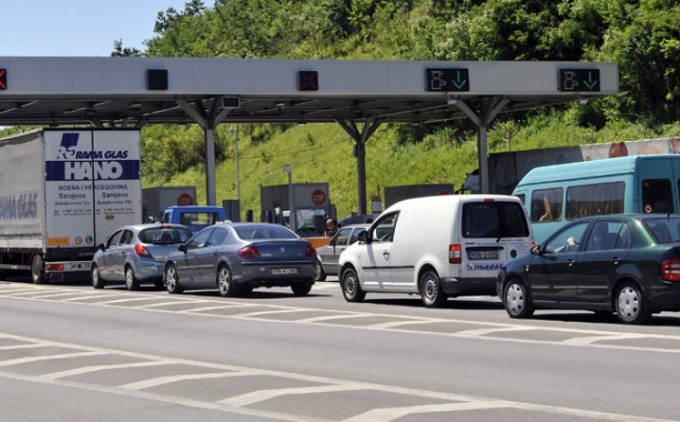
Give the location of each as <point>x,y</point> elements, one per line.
<point>195,217</point>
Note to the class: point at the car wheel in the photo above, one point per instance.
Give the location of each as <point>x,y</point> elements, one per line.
<point>631,305</point>
<point>172,280</point>
<point>431,290</point>
<point>320,272</point>
<point>517,300</point>
<point>224,284</point>
<point>301,289</point>
<point>351,288</point>
<point>97,281</point>
<point>131,282</point>
<point>37,272</point>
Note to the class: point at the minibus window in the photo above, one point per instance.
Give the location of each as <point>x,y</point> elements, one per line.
<point>595,199</point>
<point>546,205</point>
<point>657,196</point>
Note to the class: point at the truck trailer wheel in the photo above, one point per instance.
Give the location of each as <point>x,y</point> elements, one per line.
<point>37,271</point>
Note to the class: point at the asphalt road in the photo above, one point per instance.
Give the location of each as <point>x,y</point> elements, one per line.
<point>69,352</point>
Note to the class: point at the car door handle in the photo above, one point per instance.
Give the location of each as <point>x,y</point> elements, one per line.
<point>386,255</point>
<point>570,262</point>
<point>616,260</point>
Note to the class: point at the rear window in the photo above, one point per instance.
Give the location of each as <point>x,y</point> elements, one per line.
<point>165,235</point>
<point>494,220</point>
<point>664,230</point>
<point>270,231</point>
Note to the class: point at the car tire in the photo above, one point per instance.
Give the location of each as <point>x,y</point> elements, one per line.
<point>224,282</point>
<point>517,300</point>
<point>172,280</point>
<point>351,287</point>
<point>97,281</point>
<point>431,291</point>
<point>320,272</point>
<point>631,304</point>
<point>37,271</point>
<point>131,282</point>
<point>301,289</point>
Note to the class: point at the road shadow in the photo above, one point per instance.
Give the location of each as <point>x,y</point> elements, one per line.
<point>585,317</point>
<point>452,303</point>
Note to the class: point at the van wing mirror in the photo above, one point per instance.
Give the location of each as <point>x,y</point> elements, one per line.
<point>363,237</point>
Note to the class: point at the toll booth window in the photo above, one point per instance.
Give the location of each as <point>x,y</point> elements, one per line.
<point>657,196</point>
<point>595,199</point>
<point>546,205</point>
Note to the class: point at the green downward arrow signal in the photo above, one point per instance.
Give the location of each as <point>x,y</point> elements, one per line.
<point>590,83</point>
<point>459,82</point>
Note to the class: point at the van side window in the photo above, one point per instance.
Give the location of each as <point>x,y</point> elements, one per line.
<point>595,199</point>
<point>657,196</point>
<point>546,205</point>
<point>383,230</point>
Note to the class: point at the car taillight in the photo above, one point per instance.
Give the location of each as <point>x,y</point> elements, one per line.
<point>249,252</point>
<point>141,250</point>
<point>54,267</point>
<point>455,254</point>
<point>310,251</point>
<point>670,269</point>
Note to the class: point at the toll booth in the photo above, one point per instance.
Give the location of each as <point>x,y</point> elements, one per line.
<point>394,194</point>
<point>308,203</point>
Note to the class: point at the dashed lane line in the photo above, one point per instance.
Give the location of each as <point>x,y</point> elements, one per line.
<point>393,413</point>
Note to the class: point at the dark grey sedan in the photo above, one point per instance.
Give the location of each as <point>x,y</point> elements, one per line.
<point>135,254</point>
<point>238,257</point>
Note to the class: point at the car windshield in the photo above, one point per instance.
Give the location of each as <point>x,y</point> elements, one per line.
<point>165,235</point>
<point>269,231</point>
<point>664,230</point>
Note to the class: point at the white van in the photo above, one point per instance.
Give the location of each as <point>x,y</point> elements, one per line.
<point>436,246</point>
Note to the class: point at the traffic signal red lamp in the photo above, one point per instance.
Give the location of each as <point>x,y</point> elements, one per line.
<point>3,79</point>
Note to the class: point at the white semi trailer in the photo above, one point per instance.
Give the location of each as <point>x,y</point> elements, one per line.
<point>62,192</point>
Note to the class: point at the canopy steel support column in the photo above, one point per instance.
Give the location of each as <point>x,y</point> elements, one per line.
<point>360,139</point>
<point>208,122</point>
<point>492,106</point>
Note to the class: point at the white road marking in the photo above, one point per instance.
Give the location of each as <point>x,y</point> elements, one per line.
<point>483,331</point>
<point>262,395</point>
<point>96,368</point>
<point>129,299</point>
<point>594,339</point>
<point>154,382</point>
<point>332,317</point>
<point>263,313</point>
<point>462,402</point>
<point>392,413</point>
<point>22,346</point>
<point>18,361</point>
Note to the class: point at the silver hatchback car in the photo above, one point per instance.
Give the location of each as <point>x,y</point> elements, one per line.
<point>135,254</point>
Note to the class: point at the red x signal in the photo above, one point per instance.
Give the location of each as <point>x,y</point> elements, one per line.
<point>308,80</point>
<point>3,79</point>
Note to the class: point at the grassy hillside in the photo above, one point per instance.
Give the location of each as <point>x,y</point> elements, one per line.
<point>324,153</point>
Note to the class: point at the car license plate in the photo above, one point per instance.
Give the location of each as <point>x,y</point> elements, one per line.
<point>493,254</point>
<point>284,271</point>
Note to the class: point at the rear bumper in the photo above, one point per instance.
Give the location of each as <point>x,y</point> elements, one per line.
<point>482,286</point>
<point>259,275</point>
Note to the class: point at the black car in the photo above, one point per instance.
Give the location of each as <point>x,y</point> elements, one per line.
<point>628,264</point>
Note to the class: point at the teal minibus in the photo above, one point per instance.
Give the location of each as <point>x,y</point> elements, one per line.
<point>553,195</point>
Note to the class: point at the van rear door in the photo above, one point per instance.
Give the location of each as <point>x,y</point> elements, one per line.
<point>493,232</point>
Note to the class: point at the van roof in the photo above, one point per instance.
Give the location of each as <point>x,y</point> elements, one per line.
<point>441,200</point>
<point>586,169</point>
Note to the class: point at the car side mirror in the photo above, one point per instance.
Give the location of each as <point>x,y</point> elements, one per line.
<point>363,237</point>
<point>536,250</point>
<point>182,247</point>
